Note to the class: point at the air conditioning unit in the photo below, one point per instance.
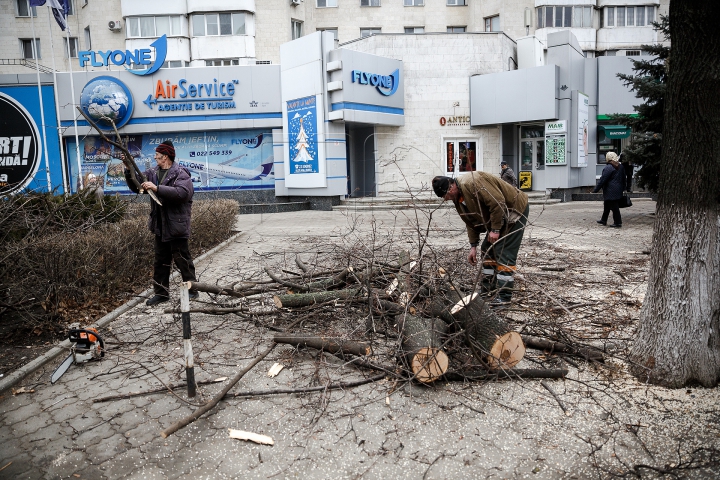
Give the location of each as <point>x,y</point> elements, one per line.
<point>115,25</point>
<point>295,3</point>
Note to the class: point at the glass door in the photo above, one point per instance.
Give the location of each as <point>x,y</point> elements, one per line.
<point>532,154</point>
<point>460,156</point>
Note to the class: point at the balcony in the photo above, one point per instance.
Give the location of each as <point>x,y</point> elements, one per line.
<point>585,36</point>
<point>220,6</point>
<point>622,38</point>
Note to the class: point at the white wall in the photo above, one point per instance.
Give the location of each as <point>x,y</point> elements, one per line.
<point>437,71</point>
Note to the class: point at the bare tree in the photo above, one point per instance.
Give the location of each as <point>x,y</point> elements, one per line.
<point>679,337</point>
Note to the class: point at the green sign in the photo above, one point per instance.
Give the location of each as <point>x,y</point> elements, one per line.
<point>615,131</point>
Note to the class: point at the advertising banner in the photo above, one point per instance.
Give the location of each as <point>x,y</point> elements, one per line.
<point>302,135</point>
<point>582,129</point>
<point>556,143</point>
<point>219,160</point>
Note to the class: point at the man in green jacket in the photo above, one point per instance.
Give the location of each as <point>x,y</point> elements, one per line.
<point>492,206</point>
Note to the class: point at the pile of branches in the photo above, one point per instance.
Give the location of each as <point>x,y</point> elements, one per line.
<point>81,255</point>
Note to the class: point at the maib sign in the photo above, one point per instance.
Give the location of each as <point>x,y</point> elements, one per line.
<point>20,147</point>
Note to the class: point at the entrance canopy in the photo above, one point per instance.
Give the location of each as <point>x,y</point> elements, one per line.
<point>614,131</point>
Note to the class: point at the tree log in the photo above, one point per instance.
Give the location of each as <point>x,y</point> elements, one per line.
<point>305,299</point>
<point>331,345</point>
<point>421,346</point>
<point>216,289</point>
<point>506,374</point>
<point>552,347</point>
<point>485,332</point>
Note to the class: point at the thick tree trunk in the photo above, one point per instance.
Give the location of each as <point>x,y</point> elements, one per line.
<point>678,341</point>
<point>421,345</point>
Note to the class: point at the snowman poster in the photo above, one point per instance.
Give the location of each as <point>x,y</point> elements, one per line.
<point>302,135</point>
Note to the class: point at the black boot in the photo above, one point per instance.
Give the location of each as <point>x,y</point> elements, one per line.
<point>505,285</point>
<point>488,284</point>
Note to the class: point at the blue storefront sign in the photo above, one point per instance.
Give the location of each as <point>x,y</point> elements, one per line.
<point>128,58</point>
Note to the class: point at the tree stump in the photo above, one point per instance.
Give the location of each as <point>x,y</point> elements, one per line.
<point>421,347</point>
<point>485,332</point>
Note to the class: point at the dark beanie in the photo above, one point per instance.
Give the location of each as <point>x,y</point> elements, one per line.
<point>166,148</point>
<point>441,185</point>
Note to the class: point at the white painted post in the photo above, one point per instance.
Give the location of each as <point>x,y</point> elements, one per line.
<point>185,312</point>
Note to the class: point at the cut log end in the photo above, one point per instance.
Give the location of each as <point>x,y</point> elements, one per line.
<point>277,301</point>
<point>429,364</point>
<point>507,351</point>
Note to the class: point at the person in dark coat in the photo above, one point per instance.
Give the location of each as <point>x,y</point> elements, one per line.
<point>170,222</point>
<point>612,183</point>
<point>508,175</point>
<point>629,168</point>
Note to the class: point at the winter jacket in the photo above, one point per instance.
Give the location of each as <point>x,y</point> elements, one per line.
<point>612,182</point>
<point>489,203</point>
<point>175,192</point>
<point>509,176</point>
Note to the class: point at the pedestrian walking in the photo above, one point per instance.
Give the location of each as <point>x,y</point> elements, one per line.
<point>495,208</point>
<point>170,222</point>
<point>612,183</point>
<point>508,175</point>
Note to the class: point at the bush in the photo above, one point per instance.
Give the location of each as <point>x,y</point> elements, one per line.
<point>88,262</point>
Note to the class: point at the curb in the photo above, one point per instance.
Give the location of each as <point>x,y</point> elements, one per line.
<point>17,375</point>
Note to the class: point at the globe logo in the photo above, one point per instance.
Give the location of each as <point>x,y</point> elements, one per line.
<point>107,101</point>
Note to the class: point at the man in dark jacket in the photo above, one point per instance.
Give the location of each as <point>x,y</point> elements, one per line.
<point>170,222</point>
<point>612,182</point>
<point>508,175</point>
<point>487,204</point>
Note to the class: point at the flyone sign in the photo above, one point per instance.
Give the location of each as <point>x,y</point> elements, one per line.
<point>128,58</point>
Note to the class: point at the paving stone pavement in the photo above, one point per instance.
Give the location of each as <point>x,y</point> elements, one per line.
<point>380,430</point>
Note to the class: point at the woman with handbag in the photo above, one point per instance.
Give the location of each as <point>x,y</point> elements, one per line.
<point>612,183</point>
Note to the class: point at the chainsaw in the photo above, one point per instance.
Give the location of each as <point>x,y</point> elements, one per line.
<point>86,345</point>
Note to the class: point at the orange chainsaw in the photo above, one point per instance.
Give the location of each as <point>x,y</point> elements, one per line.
<point>86,345</point>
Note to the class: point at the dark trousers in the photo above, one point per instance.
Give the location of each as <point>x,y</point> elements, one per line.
<point>165,254</point>
<point>613,205</point>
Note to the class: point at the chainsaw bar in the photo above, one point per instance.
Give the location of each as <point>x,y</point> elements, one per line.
<point>59,371</point>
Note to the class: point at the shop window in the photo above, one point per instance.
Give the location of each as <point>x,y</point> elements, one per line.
<point>413,3</point>
<point>73,47</point>
<point>297,30</point>
<point>366,32</point>
<point>215,24</point>
<point>564,17</point>
<point>326,3</point>
<point>414,29</point>
<point>369,3</point>
<point>23,8</point>
<point>460,156</point>
<point>30,49</point>
<point>492,24</point>
<point>456,29</point>
<point>334,31</point>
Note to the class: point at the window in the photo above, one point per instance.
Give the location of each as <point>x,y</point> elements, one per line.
<point>492,24</point>
<point>369,3</point>
<point>366,32</point>
<point>174,64</point>
<point>326,3</point>
<point>456,3</point>
<point>629,16</point>
<point>455,29</point>
<point>73,47</point>
<point>28,50</point>
<point>88,39</point>
<point>414,29</point>
<point>213,24</point>
<point>334,31</point>
<point>221,62</point>
<point>71,7</point>
<point>413,3</point>
<point>564,17</point>
<point>632,53</point>
<point>23,8</point>
<point>297,30</point>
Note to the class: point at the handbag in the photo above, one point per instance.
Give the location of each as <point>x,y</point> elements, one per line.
<point>625,201</point>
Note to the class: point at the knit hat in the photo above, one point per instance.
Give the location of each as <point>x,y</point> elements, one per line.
<point>503,163</point>
<point>441,185</point>
<point>611,157</point>
<point>167,148</point>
